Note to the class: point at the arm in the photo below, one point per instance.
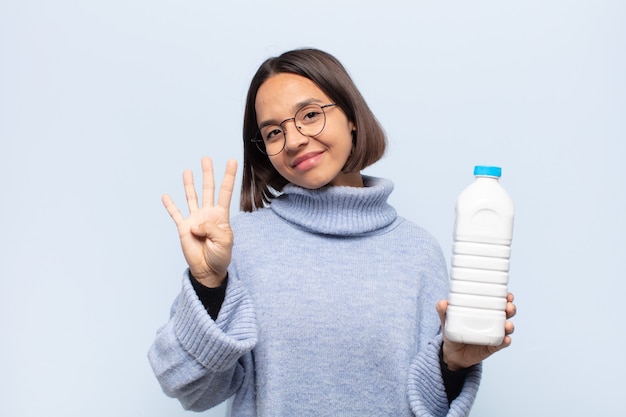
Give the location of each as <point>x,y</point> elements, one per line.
<point>430,389</point>
<point>198,360</point>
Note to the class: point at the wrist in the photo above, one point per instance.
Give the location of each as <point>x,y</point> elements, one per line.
<point>446,361</point>
<point>208,280</point>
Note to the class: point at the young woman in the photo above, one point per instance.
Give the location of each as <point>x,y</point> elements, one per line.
<point>317,299</point>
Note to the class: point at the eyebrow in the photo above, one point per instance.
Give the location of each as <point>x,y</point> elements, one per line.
<point>296,107</point>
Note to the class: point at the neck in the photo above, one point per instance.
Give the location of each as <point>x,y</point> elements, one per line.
<point>348,179</point>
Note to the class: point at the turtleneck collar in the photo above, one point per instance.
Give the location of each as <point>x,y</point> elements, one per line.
<point>338,210</point>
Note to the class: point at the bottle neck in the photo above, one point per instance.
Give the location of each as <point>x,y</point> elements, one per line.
<point>486,177</point>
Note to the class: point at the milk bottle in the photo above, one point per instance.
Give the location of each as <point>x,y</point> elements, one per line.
<point>479,273</point>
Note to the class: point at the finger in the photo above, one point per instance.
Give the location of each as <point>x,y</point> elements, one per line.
<point>228,184</point>
<point>442,307</point>
<point>509,328</point>
<point>172,209</point>
<point>208,182</point>
<point>190,191</point>
<point>506,342</point>
<point>511,310</point>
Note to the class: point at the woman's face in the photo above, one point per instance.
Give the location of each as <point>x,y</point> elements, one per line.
<point>307,161</point>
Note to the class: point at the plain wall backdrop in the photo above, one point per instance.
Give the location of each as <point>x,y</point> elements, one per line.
<point>103,104</point>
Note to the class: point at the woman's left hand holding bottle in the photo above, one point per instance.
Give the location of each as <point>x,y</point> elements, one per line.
<point>205,235</point>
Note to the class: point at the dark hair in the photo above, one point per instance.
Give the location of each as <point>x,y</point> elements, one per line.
<point>261,182</point>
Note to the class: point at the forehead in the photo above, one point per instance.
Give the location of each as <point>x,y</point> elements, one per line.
<point>284,93</point>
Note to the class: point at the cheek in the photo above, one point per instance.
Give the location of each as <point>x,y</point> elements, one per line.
<point>347,141</point>
<point>279,163</point>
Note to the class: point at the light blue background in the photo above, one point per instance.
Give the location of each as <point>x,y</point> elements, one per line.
<point>103,104</point>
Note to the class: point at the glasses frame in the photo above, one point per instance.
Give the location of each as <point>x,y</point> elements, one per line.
<point>260,142</point>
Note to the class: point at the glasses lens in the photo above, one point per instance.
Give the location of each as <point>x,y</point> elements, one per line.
<point>310,120</point>
<point>270,140</point>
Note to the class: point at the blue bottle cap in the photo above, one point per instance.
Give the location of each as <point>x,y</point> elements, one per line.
<point>487,171</point>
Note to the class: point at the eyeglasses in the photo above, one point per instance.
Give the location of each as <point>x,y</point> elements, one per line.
<point>310,120</point>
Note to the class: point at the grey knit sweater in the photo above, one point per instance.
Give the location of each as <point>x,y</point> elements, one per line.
<point>329,311</point>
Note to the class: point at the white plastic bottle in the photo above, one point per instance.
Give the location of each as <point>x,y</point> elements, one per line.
<point>479,274</point>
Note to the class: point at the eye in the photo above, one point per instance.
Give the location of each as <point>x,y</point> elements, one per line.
<point>271,133</point>
<point>310,114</point>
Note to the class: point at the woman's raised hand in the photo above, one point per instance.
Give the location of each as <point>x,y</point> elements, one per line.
<point>205,235</point>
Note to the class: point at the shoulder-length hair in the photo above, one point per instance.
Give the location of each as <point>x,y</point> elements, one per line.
<point>261,182</point>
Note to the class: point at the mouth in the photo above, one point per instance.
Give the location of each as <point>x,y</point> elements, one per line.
<point>306,160</point>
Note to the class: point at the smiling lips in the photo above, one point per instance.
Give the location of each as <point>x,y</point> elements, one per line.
<point>306,161</point>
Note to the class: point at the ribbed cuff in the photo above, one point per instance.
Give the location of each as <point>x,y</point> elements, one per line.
<point>216,344</point>
<point>427,393</point>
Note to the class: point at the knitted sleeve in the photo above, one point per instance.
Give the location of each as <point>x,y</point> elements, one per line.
<point>196,359</point>
<point>427,394</point>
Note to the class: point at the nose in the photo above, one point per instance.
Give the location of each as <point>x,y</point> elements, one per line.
<point>293,137</point>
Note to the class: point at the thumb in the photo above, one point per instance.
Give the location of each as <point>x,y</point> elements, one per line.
<point>202,230</point>
<point>198,230</point>
<point>217,233</point>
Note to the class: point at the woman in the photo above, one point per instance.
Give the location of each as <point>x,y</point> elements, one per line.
<point>318,299</point>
